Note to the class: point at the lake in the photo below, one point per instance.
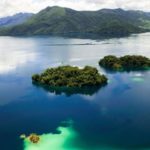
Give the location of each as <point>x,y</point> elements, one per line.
<point>115,117</point>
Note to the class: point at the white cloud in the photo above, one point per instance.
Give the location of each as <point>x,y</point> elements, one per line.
<point>9,7</point>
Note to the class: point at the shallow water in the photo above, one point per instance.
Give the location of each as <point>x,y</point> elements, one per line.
<point>113,117</point>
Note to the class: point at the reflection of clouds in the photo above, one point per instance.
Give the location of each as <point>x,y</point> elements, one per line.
<point>10,61</point>
<point>51,94</point>
<point>89,97</point>
<point>15,52</point>
<point>137,77</point>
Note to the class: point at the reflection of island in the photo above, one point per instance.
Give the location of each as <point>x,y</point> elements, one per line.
<point>69,90</point>
<point>125,63</point>
<point>70,80</point>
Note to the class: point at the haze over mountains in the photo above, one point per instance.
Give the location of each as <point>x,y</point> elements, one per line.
<point>59,20</point>
<point>16,19</point>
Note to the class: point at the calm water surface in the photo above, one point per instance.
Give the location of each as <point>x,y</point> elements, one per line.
<point>114,117</point>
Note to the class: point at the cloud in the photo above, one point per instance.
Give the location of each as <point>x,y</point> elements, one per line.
<point>9,7</point>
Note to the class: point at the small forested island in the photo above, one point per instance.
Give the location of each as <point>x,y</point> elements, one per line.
<point>68,76</point>
<point>33,138</point>
<point>125,63</point>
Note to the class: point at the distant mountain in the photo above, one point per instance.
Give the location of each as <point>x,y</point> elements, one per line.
<point>105,22</point>
<point>15,19</point>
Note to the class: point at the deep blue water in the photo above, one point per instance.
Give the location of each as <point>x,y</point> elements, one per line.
<point>117,115</point>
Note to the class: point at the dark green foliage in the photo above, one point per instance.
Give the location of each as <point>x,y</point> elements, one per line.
<point>118,28</point>
<point>105,22</point>
<point>135,62</point>
<point>67,76</point>
<point>128,62</point>
<point>110,62</point>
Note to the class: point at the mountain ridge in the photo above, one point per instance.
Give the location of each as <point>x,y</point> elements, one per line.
<point>61,20</point>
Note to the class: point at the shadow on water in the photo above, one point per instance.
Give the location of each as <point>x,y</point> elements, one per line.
<point>127,70</point>
<point>68,91</point>
<point>92,36</point>
<point>89,35</point>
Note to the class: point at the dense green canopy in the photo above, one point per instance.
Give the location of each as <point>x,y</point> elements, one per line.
<point>128,62</point>
<point>67,76</point>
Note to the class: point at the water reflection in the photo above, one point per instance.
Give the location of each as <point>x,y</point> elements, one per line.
<point>14,52</point>
<point>9,61</point>
<point>115,116</point>
<point>68,91</point>
<point>137,71</point>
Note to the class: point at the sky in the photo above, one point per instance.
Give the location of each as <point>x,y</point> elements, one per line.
<point>10,7</point>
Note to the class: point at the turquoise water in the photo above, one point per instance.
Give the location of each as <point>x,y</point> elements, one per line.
<point>116,116</point>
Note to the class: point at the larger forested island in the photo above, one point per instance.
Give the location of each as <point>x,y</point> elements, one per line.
<point>104,22</point>
<point>68,76</point>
